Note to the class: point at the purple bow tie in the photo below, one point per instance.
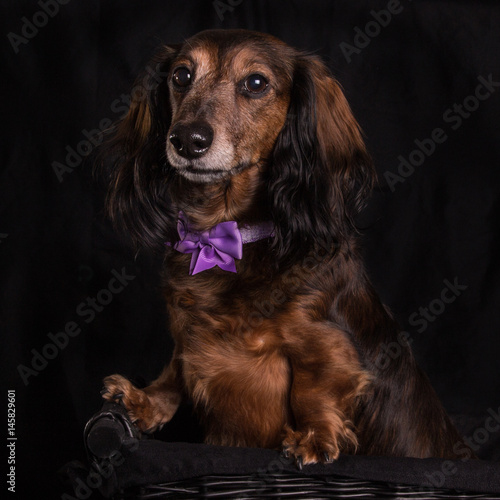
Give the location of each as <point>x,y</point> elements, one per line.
<point>219,246</point>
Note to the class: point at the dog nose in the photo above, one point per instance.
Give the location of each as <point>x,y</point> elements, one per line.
<point>191,140</point>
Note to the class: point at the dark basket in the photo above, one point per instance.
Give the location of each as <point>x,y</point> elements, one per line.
<point>130,466</point>
<point>286,487</point>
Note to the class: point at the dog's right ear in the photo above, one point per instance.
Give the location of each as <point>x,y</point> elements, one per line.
<point>135,158</point>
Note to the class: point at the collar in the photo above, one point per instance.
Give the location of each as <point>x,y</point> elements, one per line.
<point>219,246</point>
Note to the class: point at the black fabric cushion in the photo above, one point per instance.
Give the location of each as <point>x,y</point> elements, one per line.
<point>154,462</point>
<point>159,459</point>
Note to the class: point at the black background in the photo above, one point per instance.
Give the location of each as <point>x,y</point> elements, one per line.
<point>73,76</point>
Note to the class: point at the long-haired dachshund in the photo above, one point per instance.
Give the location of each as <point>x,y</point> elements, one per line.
<point>246,167</point>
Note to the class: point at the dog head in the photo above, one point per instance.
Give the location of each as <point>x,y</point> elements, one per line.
<point>229,99</point>
<point>239,108</point>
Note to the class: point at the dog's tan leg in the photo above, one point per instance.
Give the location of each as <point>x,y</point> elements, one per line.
<point>153,406</point>
<point>327,381</point>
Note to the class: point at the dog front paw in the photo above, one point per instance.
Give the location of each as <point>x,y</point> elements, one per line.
<point>315,445</point>
<point>137,403</point>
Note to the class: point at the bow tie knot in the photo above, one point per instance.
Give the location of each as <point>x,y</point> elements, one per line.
<point>219,246</point>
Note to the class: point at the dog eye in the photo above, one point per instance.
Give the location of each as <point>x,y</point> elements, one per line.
<point>256,84</point>
<point>181,77</point>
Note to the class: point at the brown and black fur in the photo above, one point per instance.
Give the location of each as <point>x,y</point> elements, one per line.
<point>286,352</point>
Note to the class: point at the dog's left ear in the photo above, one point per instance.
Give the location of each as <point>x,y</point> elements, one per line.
<point>320,173</point>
